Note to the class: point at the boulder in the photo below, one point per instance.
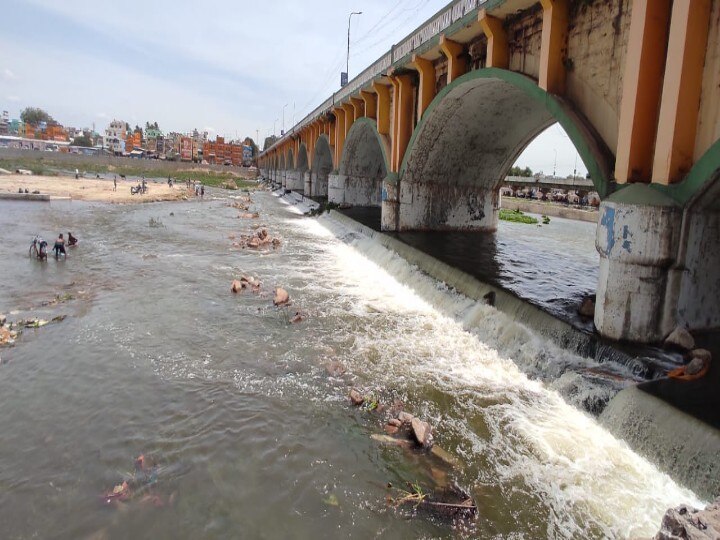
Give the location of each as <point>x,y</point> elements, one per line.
<point>335,369</point>
<point>394,422</point>
<point>356,398</point>
<point>391,430</point>
<point>237,286</point>
<point>405,417</point>
<point>490,298</point>
<point>702,354</point>
<point>688,523</point>
<point>281,297</point>
<point>695,366</point>
<point>422,432</point>
<point>680,338</point>
<point>587,307</point>
<point>297,318</point>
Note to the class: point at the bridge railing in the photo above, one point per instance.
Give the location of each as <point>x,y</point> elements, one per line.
<point>434,26</point>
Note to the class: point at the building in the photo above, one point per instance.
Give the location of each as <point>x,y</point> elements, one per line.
<point>115,137</point>
<point>133,140</point>
<point>54,132</point>
<point>5,123</point>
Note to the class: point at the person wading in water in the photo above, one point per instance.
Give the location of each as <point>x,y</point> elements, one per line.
<point>60,247</point>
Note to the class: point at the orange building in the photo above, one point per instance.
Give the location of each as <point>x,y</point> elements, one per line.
<point>133,140</point>
<point>220,152</point>
<point>55,132</point>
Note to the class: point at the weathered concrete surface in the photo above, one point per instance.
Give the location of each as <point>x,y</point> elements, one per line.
<point>549,209</point>
<point>463,152</point>
<point>336,188</point>
<point>321,168</point>
<point>294,180</point>
<point>363,165</point>
<point>637,245</point>
<point>25,196</point>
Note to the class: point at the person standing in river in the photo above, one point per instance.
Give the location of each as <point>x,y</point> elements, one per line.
<point>59,247</point>
<point>115,182</point>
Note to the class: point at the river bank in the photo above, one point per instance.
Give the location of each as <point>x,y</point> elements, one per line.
<point>88,189</point>
<point>549,209</point>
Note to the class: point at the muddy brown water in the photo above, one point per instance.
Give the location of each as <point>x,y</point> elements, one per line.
<point>253,437</point>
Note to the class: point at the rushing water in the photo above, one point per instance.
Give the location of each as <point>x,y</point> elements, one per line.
<point>254,438</point>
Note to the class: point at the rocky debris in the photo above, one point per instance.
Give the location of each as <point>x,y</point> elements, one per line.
<point>335,369</point>
<point>356,398</point>
<point>394,422</point>
<point>282,298</point>
<point>7,336</point>
<point>701,354</point>
<point>249,215</point>
<point>298,317</point>
<point>422,432</point>
<point>405,417</point>
<point>236,286</point>
<point>489,298</point>
<point>257,239</point>
<point>391,430</point>
<point>3,319</point>
<point>230,184</point>
<point>680,338</point>
<point>687,523</point>
<point>587,307</point>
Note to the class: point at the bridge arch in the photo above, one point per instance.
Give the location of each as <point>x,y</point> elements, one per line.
<point>322,166</point>
<point>290,160</point>
<point>364,164</point>
<point>302,158</point>
<point>470,136</point>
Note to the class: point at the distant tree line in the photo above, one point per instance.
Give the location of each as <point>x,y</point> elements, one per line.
<point>517,171</point>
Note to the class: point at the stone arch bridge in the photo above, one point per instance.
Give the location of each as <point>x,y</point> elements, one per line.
<point>429,131</point>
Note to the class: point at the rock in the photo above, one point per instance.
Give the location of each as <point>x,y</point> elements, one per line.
<point>281,297</point>
<point>680,338</point>
<point>253,242</point>
<point>237,286</point>
<point>422,432</point>
<point>391,430</point>
<point>356,398</point>
<point>387,439</point>
<point>335,369</point>
<point>695,366</point>
<point>702,354</point>
<point>297,318</point>
<point>686,523</point>
<point>587,307</point>
<point>490,298</point>
<point>3,319</point>
<point>446,457</point>
<point>405,417</point>
<point>394,422</point>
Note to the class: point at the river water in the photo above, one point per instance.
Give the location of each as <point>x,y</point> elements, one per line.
<point>253,438</point>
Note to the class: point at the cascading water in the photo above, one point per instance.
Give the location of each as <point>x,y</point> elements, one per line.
<point>157,356</point>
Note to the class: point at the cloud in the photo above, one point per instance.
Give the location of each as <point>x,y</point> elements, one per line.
<point>8,75</point>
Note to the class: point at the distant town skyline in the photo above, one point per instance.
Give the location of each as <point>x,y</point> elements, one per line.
<point>237,73</point>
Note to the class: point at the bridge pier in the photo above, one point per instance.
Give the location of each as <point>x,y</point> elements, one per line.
<point>294,180</point>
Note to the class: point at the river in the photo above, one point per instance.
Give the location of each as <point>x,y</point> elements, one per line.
<point>253,438</point>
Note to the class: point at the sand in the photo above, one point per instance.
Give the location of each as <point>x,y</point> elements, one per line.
<point>90,189</point>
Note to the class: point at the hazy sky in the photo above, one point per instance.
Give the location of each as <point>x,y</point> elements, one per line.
<point>224,66</point>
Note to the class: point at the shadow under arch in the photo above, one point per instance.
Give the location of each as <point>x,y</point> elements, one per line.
<point>302,158</point>
<point>363,166</point>
<point>470,136</point>
<point>322,166</point>
<point>290,160</point>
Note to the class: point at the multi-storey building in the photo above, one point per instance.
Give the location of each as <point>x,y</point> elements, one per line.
<point>115,137</point>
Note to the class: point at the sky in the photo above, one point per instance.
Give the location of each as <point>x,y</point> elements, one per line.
<point>231,68</point>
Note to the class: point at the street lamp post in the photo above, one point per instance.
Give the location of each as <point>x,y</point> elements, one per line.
<point>282,131</point>
<point>347,63</point>
<point>274,125</point>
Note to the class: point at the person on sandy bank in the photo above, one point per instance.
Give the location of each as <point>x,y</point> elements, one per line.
<point>59,247</point>
<point>71,240</point>
<point>115,183</point>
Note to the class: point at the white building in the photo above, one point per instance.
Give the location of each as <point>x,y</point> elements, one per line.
<point>114,139</point>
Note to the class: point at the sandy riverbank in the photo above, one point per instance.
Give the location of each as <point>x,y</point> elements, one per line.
<point>90,189</point>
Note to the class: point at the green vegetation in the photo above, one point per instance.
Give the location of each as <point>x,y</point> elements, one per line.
<point>82,140</point>
<point>517,171</point>
<point>323,207</point>
<point>35,115</point>
<point>517,216</point>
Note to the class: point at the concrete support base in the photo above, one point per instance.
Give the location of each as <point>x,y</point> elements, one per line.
<point>447,207</point>
<point>638,246</point>
<point>336,188</point>
<point>316,185</point>
<point>294,181</point>
<point>390,204</point>
<point>354,190</point>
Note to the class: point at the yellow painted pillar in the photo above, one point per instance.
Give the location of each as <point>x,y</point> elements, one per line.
<point>642,82</point>
<point>498,52</point>
<point>359,106</point>
<point>403,125</point>
<point>455,53</point>
<point>552,49</point>
<point>370,100</point>
<point>339,134</point>
<point>680,102</point>
<point>426,93</point>
<point>383,108</point>
<point>349,117</point>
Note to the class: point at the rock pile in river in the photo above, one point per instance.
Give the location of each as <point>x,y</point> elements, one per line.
<point>687,523</point>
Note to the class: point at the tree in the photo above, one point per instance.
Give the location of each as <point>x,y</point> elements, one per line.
<point>138,129</point>
<point>35,115</point>
<point>82,140</point>
<point>127,127</point>
<point>517,171</point>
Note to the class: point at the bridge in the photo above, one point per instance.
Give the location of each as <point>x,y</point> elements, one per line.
<point>429,131</point>
<point>549,182</point>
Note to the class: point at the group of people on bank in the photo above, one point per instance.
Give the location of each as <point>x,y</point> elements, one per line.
<point>39,246</point>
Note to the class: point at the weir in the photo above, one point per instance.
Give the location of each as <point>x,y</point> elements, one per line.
<point>682,446</point>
